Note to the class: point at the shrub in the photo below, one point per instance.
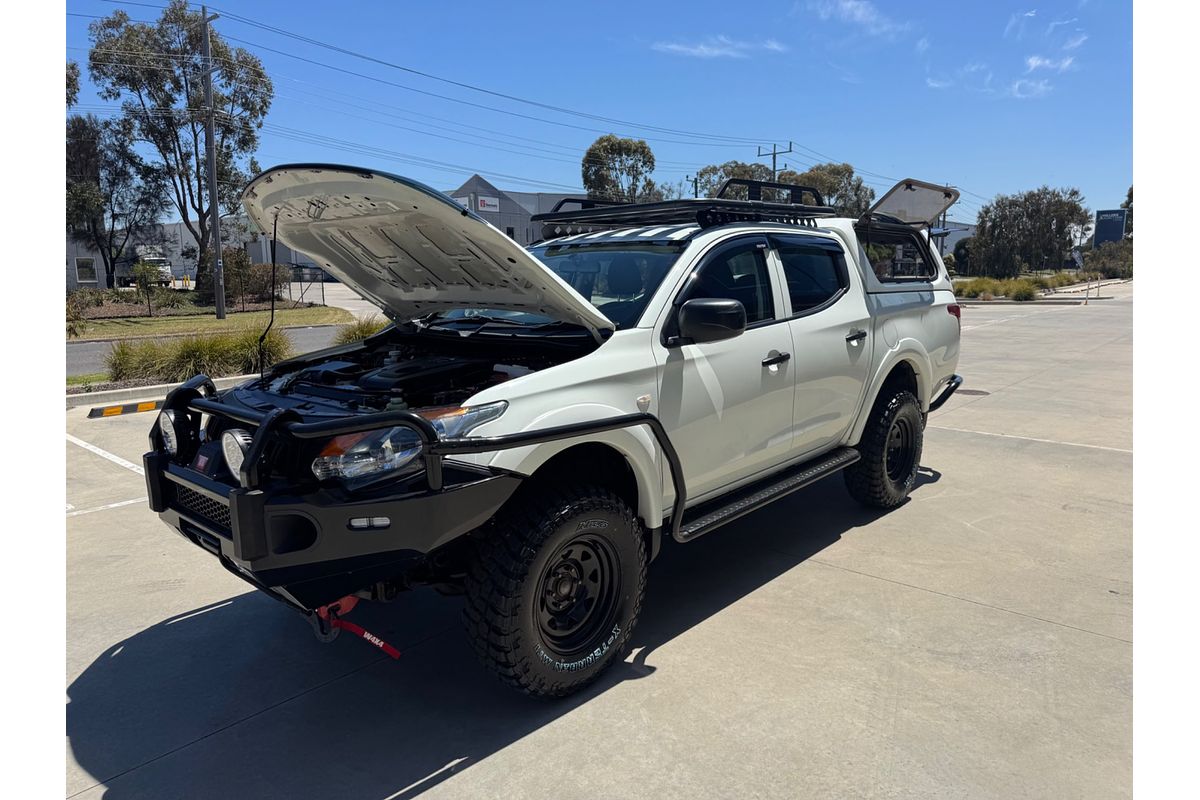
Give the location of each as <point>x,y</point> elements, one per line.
<point>978,286</point>
<point>215,355</point>
<point>170,298</point>
<point>360,329</point>
<point>1021,290</point>
<point>89,298</point>
<point>75,318</point>
<point>1112,259</point>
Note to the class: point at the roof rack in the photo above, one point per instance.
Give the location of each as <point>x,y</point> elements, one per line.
<point>586,203</point>
<point>795,192</point>
<point>704,212</point>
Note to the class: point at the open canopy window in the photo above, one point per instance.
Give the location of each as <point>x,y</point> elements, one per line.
<point>913,201</point>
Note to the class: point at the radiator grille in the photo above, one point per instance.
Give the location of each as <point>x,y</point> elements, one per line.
<point>203,506</point>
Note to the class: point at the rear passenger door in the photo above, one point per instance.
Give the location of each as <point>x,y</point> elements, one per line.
<point>831,335</point>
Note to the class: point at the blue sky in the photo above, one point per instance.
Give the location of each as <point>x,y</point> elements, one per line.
<point>991,97</point>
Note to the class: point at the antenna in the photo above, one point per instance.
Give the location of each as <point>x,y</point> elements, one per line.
<point>274,235</point>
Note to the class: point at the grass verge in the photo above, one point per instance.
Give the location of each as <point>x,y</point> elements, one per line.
<point>134,327</point>
<point>87,380</point>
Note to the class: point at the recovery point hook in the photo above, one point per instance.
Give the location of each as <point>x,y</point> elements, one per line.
<point>327,623</point>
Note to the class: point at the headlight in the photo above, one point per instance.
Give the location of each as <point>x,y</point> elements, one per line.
<point>462,421</point>
<point>166,430</point>
<point>235,443</point>
<point>374,453</point>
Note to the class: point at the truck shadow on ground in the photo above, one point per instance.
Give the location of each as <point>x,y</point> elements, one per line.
<point>238,699</point>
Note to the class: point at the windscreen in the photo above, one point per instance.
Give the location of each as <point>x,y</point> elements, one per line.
<point>618,279</point>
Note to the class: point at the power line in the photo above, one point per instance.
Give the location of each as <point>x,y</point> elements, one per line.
<point>712,139</point>
<point>514,98</point>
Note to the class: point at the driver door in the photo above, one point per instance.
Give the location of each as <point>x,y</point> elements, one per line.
<point>727,405</point>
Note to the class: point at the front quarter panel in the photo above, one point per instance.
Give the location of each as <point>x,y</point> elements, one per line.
<point>605,383</point>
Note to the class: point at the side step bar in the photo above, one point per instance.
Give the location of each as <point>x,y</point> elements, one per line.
<point>712,515</point>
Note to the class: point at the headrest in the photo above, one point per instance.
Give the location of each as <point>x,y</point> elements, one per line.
<point>624,276</point>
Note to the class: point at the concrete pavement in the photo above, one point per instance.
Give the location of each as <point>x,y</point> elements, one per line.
<point>975,642</point>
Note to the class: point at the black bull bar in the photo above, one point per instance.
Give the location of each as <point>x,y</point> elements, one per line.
<point>249,540</point>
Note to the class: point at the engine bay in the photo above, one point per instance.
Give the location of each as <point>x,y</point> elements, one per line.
<point>400,371</point>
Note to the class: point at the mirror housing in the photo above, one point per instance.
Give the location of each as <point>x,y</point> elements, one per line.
<point>709,319</point>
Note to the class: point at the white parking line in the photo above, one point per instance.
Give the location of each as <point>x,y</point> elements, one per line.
<point>1031,313</point>
<point>1033,439</point>
<point>129,465</point>
<point>105,508</point>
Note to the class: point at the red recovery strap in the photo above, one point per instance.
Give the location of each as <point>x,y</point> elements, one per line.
<point>365,635</point>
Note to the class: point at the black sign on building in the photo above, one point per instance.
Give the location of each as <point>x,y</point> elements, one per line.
<point>1110,226</point>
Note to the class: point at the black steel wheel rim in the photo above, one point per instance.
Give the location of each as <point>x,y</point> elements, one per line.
<point>577,595</point>
<point>899,455</point>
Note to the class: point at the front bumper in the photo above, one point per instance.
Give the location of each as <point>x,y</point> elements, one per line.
<point>302,547</point>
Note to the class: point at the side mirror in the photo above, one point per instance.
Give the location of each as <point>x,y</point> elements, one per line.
<point>709,319</point>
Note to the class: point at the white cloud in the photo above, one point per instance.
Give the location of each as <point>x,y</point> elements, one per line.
<point>1017,22</point>
<point>719,47</point>
<point>1057,23</point>
<point>1038,62</point>
<point>938,83</point>
<point>922,45</point>
<point>862,13</point>
<point>1025,89</point>
<point>1075,41</point>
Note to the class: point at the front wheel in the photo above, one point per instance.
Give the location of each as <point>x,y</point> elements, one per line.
<point>554,593</point>
<point>891,453</point>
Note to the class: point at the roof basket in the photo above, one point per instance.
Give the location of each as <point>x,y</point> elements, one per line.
<point>795,192</point>
<point>704,212</point>
<point>585,203</point>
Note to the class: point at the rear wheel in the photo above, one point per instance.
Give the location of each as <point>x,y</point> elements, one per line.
<point>891,452</point>
<point>554,593</point>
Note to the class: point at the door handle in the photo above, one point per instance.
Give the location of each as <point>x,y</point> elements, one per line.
<point>856,335</point>
<point>771,361</point>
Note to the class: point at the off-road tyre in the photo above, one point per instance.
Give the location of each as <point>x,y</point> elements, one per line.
<point>530,579</point>
<point>891,452</point>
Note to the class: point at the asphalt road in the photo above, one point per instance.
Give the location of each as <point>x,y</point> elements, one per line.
<point>86,358</point>
<point>975,642</point>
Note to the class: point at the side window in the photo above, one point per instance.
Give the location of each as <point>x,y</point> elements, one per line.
<point>738,272</point>
<point>895,255</point>
<point>814,274</point>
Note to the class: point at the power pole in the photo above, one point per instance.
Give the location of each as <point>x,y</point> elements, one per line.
<point>695,185</point>
<point>942,238</point>
<point>214,207</point>
<point>774,153</point>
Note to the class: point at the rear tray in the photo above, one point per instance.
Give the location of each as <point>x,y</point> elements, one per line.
<point>713,514</point>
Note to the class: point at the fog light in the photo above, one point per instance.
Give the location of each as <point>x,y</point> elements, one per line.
<point>234,444</point>
<point>166,430</point>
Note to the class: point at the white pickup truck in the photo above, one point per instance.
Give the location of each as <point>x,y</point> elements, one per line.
<point>535,421</point>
